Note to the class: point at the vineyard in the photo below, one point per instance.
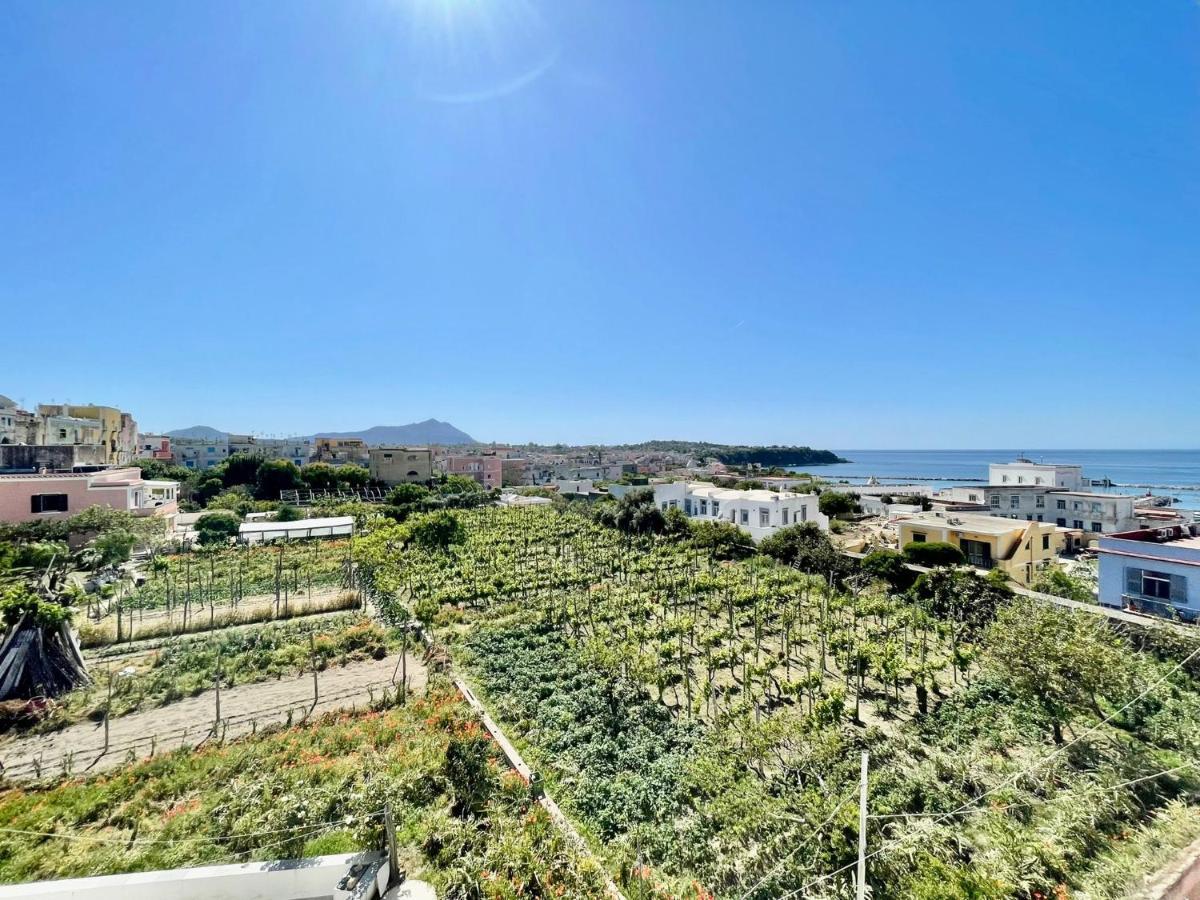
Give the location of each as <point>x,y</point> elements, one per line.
<point>212,588</point>
<point>127,681</point>
<point>703,720</point>
<point>306,790</point>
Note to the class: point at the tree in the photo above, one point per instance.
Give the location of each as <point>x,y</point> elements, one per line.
<point>276,475</point>
<point>836,503</point>
<point>241,468</point>
<point>722,540</point>
<point>158,470</point>
<point>1058,660</point>
<point>1057,582</point>
<point>353,477</point>
<point>808,548</point>
<point>960,596</point>
<point>208,485</point>
<point>288,513</point>
<point>216,528</point>
<point>407,494</point>
<point>113,547</point>
<point>437,531</point>
<point>459,484</point>
<point>889,566</point>
<point>320,476</point>
<point>933,554</point>
<point>676,524</point>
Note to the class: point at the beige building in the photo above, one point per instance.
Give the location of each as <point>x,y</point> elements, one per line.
<point>397,465</point>
<point>1020,549</point>
<point>118,430</point>
<point>340,451</point>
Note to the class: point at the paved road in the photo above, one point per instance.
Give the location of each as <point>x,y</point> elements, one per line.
<point>189,722</point>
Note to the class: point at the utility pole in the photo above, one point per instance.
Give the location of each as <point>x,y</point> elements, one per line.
<point>862,831</point>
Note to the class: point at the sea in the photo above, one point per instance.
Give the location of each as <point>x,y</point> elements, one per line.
<point>1169,473</point>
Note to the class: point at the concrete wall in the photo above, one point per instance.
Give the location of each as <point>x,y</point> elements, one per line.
<point>33,458</point>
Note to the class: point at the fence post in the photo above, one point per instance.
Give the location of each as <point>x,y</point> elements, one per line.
<point>108,706</point>
<point>217,684</point>
<point>312,655</point>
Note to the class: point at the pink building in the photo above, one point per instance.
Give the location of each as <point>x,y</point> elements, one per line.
<point>487,470</point>
<point>31,498</point>
<point>154,446</point>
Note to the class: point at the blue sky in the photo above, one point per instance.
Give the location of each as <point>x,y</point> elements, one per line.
<point>865,224</point>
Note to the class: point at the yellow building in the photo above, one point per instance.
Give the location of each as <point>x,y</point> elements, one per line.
<point>395,465</point>
<point>1020,549</point>
<point>118,430</point>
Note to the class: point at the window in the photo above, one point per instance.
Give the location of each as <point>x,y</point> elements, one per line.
<point>745,517</point>
<point>994,501</point>
<point>784,512</point>
<point>674,504</point>
<point>1004,479</point>
<point>1014,502</point>
<point>1039,518</point>
<point>716,508</point>
<point>1096,508</point>
<point>1040,502</point>
<point>1045,542</point>
<point>804,513</point>
<point>1096,527</point>
<point>1061,523</point>
<point>1156,585</point>
<point>764,517</point>
<point>1060,504</point>
<point>43,503</point>
<point>918,537</point>
<point>704,507</point>
<point>687,506</point>
<point>1077,524</point>
<point>62,433</point>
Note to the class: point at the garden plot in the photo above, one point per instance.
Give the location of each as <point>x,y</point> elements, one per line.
<point>195,720</point>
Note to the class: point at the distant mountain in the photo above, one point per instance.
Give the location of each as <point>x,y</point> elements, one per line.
<point>431,431</point>
<point>204,432</point>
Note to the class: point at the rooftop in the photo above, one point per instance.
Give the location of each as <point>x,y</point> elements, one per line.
<point>969,522</point>
<point>1175,535</point>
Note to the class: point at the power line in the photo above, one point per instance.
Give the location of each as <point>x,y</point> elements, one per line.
<point>808,840</point>
<point>900,840</point>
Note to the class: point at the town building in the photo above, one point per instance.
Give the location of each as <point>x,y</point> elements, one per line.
<point>59,430</point>
<point>294,450</point>
<point>1080,510</point>
<point>154,446</point>
<point>512,471</point>
<point>400,465</point>
<point>760,513</point>
<point>1153,570</point>
<point>487,470</point>
<point>118,430</point>
<point>1025,471</point>
<point>32,497</point>
<point>17,426</point>
<point>199,453</point>
<point>1019,549</point>
<point>341,451</point>
<point>27,458</point>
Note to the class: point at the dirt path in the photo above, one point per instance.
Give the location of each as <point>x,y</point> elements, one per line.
<point>189,722</point>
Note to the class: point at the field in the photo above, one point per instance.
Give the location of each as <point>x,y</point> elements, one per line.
<point>462,823</point>
<point>125,681</point>
<point>213,588</point>
<point>704,721</point>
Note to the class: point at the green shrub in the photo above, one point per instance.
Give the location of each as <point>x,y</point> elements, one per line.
<point>933,554</point>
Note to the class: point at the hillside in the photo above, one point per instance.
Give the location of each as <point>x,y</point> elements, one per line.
<point>206,432</point>
<point>743,455</point>
<point>431,431</point>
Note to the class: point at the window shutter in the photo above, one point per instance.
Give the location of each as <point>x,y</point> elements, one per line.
<point>1179,589</point>
<point>1133,580</point>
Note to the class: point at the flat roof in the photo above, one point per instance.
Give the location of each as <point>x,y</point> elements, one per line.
<point>969,522</point>
<point>298,524</point>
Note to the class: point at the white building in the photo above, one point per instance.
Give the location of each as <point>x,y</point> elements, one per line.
<point>1024,471</point>
<point>1154,570</point>
<point>760,513</point>
<point>199,453</point>
<point>1076,509</point>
